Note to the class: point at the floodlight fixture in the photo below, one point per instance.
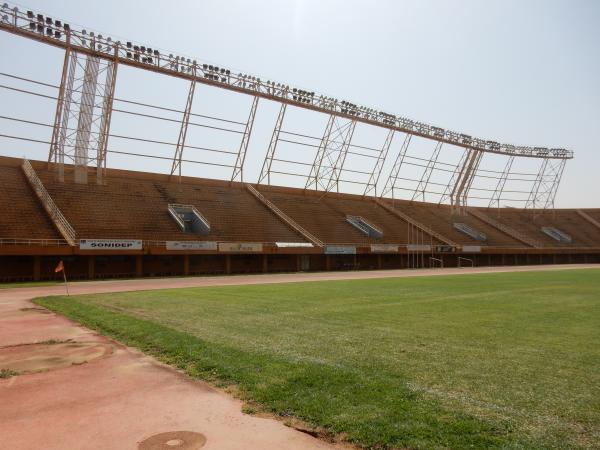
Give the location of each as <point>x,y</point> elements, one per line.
<point>29,13</point>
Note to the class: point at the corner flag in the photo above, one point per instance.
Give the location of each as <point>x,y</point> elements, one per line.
<point>61,268</point>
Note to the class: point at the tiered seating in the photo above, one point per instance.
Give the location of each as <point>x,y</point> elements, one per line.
<point>593,213</point>
<point>319,218</point>
<point>441,219</point>
<point>582,232</point>
<point>21,214</point>
<point>134,205</point>
<point>395,230</point>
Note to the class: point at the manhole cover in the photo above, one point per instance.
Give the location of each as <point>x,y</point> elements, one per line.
<point>174,440</point>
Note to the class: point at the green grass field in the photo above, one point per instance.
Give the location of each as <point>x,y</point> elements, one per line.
<point>508,360</point>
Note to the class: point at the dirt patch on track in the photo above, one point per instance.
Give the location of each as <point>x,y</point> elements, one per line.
<point>32,358</point>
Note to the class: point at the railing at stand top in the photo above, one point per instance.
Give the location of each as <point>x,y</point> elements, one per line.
<point>59,34</point>
<point>33,242</point>
<point>9,242</point>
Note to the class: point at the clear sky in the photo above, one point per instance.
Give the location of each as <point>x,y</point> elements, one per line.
<point>521,72</point>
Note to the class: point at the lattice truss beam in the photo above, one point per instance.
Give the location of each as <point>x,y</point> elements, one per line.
<point>83,111</point>
<point>465,182</point>
<point>328,169</point>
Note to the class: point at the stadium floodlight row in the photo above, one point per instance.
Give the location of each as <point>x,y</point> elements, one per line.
<point>94,58</point>
<point>60,34</point>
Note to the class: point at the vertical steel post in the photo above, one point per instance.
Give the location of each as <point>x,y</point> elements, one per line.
<point>390,183</point>
<point>238,169</point>
<point>107,107</point>
<point>176,165</point>
<point>265,171</point>
<point>381,158</point>
<point>426,176</point>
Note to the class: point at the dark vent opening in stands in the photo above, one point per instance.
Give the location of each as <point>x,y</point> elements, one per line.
<point>470,231</point>
<point>189,219</point>
<point>365,227</point>
<point>557,235</point>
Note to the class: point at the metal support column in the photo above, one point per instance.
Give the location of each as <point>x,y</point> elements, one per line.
<point>238,170</point>
<point>313,177</point>
<point>107,108</point>
<point>460,189</point>
<point>265,172</point>
<point>390,183</point>
<point>376,173</point>
<point>176,165</point>
<point>86,117</point>
<point>426,177</point>
<point>497,195</point>
<point>545,186</point>
<point>342,152</point>
<point>52,155</point>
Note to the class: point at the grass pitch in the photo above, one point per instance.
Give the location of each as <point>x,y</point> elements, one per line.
<point>507,360</point>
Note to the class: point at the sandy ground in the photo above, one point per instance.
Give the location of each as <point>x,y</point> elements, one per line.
<point>88,392</point>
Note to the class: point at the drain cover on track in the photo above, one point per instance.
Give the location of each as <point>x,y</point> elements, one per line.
<point>174,440</point>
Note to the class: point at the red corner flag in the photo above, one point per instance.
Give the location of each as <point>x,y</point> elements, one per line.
<point>61,268</point>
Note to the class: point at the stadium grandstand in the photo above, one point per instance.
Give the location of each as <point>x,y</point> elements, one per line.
<point>346,213</point>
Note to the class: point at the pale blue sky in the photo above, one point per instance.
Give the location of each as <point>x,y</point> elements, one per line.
<point>521,72</point>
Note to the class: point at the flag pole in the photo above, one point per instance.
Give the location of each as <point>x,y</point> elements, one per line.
<point>65,278</point>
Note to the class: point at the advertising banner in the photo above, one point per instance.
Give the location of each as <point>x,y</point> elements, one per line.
<point>340,250</point>
<point>110,244</point>
<point>191,245</point>
<point>240,247</point>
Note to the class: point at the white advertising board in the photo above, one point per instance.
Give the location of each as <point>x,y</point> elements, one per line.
<point>340,250</point>
<point>384,248</point>
<point>240,247</point>
<point>191,245</point>
<point>110,244</point>
<point>418,248</point>
<point>471,248</point>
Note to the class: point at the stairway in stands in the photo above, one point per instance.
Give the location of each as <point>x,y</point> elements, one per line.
<point>285,218</point>
<point>54,213</point>
<point>415,223</point>
<point>589,218</point>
